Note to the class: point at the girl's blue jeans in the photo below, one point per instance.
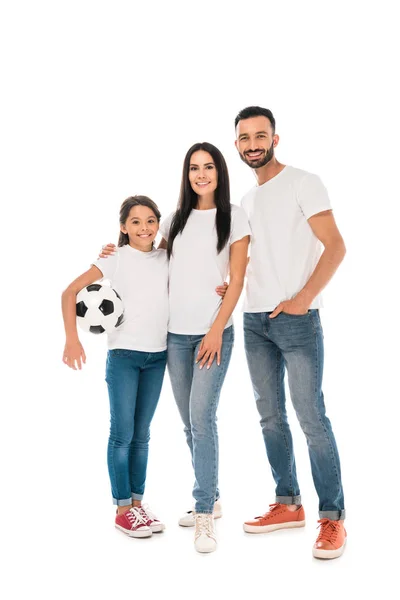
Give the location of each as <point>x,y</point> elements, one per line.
<point>134,382</point>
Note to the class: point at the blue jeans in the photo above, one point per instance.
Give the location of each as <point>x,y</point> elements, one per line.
<point>134,382</point>
<point>197,394</point>
<point>294,342</point>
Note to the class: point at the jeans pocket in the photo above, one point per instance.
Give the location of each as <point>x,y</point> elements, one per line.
<point>294,316</point>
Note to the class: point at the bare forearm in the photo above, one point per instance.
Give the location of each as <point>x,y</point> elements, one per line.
<point>68,305</point>
<point>323,273</point>
<point>68,300</point>
<point>228,304</point>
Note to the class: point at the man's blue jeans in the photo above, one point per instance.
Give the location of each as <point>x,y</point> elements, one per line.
<point>197,394</point>
<point>134,382</point>
<point>294,342</point>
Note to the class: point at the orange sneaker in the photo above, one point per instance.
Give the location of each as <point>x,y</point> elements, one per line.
<point>278,517</point>
<point>331,540</point>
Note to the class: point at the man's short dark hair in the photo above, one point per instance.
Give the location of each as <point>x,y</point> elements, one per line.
<point>255,111</point>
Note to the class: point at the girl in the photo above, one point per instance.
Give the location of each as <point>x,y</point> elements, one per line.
<point>206,238</point>
<point>136,357</point>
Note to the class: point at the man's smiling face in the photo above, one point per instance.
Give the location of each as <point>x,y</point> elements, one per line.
<point>255,141</point>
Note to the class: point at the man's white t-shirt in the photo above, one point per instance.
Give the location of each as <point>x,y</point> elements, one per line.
<point>284,250</point>
<point>196,269</point>
<point>141,279</point>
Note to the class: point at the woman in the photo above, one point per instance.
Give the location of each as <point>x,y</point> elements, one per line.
<point>206,238</point>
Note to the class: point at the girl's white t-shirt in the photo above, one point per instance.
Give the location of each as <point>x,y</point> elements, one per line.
<point>284,250</point>
<point>196,269</point>
<point>141,279</point>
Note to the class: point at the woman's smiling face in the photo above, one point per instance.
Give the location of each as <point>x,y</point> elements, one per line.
<point>203,175</point>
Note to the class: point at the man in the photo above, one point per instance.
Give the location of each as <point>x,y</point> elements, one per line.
<point>290,216</point>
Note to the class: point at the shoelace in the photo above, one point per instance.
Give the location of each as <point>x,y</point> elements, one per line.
<point>328,530</point>
<point>272,509</point>
<point>135,517</point>
<point>204,525</point>
<point>146,513</point>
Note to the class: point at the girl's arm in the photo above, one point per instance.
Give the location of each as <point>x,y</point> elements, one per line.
<point>73,351</point>
<point>212,341</point>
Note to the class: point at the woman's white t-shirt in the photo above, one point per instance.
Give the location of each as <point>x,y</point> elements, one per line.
<point>141,279</point>
<point>196,269</point>
<point>284,250</point>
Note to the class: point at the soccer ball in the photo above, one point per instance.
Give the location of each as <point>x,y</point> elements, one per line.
<point>99,309</point>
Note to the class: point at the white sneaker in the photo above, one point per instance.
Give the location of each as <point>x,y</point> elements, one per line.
<point>151,520</point>
<point>188,518</point>
<point>204,535</point>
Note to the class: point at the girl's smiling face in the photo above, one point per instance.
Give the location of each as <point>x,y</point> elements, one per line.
<point>141,227</point>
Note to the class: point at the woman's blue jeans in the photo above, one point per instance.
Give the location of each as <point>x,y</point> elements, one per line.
<point>134,382</point>
<point>197,394</point>
<point>294,343</point>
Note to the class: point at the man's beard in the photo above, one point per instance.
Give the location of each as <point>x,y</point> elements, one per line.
<point>263,160</point>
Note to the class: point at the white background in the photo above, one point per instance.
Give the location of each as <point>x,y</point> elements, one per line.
<point>100,101</point>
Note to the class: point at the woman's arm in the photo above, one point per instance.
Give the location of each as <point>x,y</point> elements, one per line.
<point>212,341</point>
<point>73,351</point>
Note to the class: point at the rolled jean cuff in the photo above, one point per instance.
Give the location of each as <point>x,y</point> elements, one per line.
<point>123,502</point>
<point>289,500</point>
<point>137,496</point>
<point>333,515</point>
<point>203,512</point>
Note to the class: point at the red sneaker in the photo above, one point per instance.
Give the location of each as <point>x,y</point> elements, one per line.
<point>133,523</point>
<point>331,540</point>
<point>278,517</point>
<point>150,519</point>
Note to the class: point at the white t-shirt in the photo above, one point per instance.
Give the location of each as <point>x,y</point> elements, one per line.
<point>284,250</point>
<point>196,269</point>
<point>141,279</point>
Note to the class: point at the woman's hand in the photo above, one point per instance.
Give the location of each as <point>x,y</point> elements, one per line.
<point>74,353</point>
<point>107,250</point>
<point>210,346</point>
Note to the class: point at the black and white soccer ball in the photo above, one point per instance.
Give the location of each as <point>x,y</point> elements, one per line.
<point>99,309</point>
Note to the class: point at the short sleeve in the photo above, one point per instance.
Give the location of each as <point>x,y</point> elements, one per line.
<point>312,196</point>
<point>166,226</point>
<point>108,266</point>
<point>240,225</point>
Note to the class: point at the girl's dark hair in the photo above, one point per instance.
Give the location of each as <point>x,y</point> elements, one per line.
<point>188,198</point>
<point>126,209</point>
